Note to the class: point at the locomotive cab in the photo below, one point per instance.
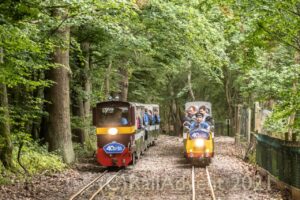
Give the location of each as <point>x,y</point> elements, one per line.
<point>114,128</point>
<point>122,132</point>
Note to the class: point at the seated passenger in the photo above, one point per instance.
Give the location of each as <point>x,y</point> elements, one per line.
<point>150,116</point>
<point>203,110</point>
<point>199,123</point>
<point>209,120</point>
<point>118,117</point>
<point>190,116</point>
<point>198,128</point>
<point>146,118</point>
<point>156,118</point>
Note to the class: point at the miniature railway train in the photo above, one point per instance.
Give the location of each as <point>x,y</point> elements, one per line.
<point>199,148</point>
<point>124,131</point>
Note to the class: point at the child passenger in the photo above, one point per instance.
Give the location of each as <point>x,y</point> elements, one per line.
<point>199,128</point>
<point>199,123</point>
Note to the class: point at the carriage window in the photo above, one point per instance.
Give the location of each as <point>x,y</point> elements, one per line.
<point>113,116</point>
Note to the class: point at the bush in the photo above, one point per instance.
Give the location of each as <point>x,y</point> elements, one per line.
<point>37,159</point>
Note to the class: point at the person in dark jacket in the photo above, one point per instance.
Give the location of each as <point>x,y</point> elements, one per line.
<point>156,117</point>
<point>146,118</point>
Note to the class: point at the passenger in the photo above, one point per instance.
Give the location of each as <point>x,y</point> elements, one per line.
<point>146,118</point>
<point>138,122</point>
<point>190,116</point>
<point>203,111</point>
<point>150,115</point>
<point>199,128</point>
<point>156,118</point>
<point>199,123</point>
<point>118,117</point>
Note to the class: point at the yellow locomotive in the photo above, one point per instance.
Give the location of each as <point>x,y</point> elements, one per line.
<point>199,142</point>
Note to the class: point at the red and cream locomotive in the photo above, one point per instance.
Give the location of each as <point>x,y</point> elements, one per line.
<point>123,131</point>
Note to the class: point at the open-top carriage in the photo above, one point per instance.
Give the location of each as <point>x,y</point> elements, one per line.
<point>199,143</point>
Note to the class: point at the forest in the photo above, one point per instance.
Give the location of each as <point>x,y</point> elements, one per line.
<point>58,58</point>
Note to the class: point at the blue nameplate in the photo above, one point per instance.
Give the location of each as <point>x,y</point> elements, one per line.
<point>114,148</point>
<point>199,133</point>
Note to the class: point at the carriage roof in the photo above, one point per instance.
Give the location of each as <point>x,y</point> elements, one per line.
<point>149,106</point>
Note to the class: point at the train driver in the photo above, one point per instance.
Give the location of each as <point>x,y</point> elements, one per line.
<point>118,117</point>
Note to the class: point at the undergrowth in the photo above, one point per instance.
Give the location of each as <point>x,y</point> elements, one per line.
<point>35,160</point>
<point>86,150</point>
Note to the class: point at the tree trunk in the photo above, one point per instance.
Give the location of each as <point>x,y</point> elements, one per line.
<point>38,93</point>
<point>59,137</point>
<point>87,90</point>
<point>228,93</point>
<point>124,83</point>
<point>174,113</point>
<point>78,111</point>
<point>291,119</point>
<point>6,147</point>
<point>189,80</point>
<point>107,81</point>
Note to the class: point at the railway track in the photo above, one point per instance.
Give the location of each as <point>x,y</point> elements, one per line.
<point>94,187</point>
<point>208,180</point>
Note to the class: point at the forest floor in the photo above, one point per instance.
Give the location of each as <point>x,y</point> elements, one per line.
<point>162,173</point>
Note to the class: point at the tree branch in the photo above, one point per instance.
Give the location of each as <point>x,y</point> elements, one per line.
<point>19,157</point>
<point>55,29</point>
<point>290,11</point>
<point>278,38</point>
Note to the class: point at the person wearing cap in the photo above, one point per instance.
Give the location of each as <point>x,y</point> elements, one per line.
<point>199,128</point>
<point>199,123</point>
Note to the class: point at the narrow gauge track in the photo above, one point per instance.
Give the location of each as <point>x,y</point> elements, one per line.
<point>208,182</point>
<point>104,179</point>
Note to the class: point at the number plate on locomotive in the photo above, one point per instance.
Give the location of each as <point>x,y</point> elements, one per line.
<point>114,148</point>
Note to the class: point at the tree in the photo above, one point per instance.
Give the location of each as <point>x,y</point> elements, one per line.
<point>5,136</point>
<point>59,135</point>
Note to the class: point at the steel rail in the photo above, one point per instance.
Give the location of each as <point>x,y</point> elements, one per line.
<point>87,186</point>
<point>210,185</point>
<point>193,183</point>
<point>103,186</point>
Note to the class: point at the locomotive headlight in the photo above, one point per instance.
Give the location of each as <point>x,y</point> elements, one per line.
<point>112,131</point>
<point>199,143</point>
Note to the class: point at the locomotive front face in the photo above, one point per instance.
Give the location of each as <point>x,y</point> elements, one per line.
<point>115,129</point>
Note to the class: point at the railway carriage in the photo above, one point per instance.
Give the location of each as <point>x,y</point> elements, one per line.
<point>121,140</point>
<point>197,147</point>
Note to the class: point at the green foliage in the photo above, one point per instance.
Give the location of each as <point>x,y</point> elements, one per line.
<point>37,159</point>
<point>85,151</point>
<point>236,51</point>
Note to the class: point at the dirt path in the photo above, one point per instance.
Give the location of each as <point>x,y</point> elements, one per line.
<point>162,173</point>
